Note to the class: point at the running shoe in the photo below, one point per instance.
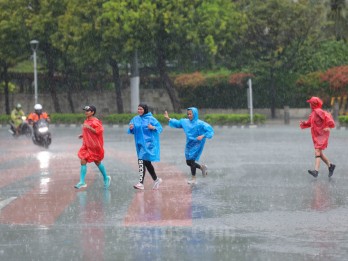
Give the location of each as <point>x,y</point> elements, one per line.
<point>80,185</point>
<point>157,182</point>
<point>314,173</point>
<point>331,169</point>
<point>107,183</point>
<point>139,186</point>
<point>192,181</point>
<point>204,170</point>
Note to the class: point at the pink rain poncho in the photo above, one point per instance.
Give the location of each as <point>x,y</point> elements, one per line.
<point>93,143</point>
<point>318,120</point>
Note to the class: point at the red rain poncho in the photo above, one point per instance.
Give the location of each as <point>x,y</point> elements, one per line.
<point>93,143</point>
<point>318,120</point>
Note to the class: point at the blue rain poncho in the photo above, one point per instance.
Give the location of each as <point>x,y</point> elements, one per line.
<point>147,142</point>
<point>193,128</point>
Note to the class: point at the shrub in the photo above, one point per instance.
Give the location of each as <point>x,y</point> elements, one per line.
<point>189,80</point>
<point>233,119</point>
<point>4,119</point>
<point>343,120</point>
<point>213,119</point>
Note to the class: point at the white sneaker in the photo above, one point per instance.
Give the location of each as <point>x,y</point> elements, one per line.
<point>107,183</point>
<point>80,185</point>
<point>139,186</point>
<point>192,181</point>
<point>157,182</point>
<point>204,170</point>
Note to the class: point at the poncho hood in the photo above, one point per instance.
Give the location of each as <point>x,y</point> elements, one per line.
<point>194,113</point>
<point>315,102</point>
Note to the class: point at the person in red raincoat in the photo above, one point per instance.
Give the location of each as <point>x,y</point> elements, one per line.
<point>92,149</point>
<point>320,123</point>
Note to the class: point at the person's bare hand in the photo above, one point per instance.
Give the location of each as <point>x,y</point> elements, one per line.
<point>200,137</point>
<point>166,115</point>
<point>131,126</point>
<point>151,127</point>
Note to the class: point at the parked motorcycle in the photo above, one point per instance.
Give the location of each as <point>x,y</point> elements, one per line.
<point>24,128</point>
<point>42,136</point>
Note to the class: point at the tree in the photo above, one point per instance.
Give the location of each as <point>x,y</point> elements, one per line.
<point>337,78</point>
<point>183,27</point>
<point>322,55</point>
<point>277,30</point>
<point>42,23</point>
<point>79,40</point>
<point>12,41</point>
<point>124,27</point>
<point>169,32</point>
<point>337,14</point>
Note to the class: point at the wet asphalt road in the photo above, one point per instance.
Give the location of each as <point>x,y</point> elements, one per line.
<point>257,202</point>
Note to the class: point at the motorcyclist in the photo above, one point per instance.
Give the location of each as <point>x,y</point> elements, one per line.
<point>16,117</point>
<point>35,116</point>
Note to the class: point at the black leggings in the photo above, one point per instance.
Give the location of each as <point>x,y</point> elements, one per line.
<point>193,165</point>
<point>143,165</point>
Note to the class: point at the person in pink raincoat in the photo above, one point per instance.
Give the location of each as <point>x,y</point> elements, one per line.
<point>320,123</point>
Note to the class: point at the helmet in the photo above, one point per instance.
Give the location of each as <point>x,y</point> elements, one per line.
<point>18,106</point>
<point>38,107</point>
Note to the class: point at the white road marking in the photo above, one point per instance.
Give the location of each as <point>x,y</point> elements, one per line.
<point>5,202</point>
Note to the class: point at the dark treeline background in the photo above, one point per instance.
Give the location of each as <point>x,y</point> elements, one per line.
<point>201,52</point>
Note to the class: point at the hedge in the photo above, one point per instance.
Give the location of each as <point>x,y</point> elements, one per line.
<point>343,120</point>
<point>213,119</point>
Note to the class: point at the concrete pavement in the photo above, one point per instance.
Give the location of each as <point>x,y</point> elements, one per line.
<point>257,202</point>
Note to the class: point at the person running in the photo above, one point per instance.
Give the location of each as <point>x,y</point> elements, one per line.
<point>92,149</point>
<point>197,131</point>
<point>320,123</point>
<point>146,130</point>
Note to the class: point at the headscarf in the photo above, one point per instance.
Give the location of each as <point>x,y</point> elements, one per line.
<point>315,102</point>
<point>144,106</point>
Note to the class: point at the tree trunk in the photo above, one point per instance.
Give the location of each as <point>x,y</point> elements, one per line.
<point>166,81</point>
<point>70,100</point>
<point>51,83</point>
<point>6,90</point>
<point>118,84</point>
<point>272,94</point>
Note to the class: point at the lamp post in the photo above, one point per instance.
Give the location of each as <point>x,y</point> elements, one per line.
<point>250,102</point>
<point>34,45</point>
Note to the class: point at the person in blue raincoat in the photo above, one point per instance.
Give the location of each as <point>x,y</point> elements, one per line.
<point>197,131</point>
<point>146,130</point>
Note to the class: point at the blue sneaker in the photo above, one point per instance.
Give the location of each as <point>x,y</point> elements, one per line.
<point>80,185</point>
<point>107,183</point>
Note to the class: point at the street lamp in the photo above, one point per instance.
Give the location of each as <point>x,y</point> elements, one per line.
<point>250,102</point>
<point>34,45</point>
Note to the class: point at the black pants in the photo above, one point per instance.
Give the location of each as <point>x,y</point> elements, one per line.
<point>143,165</point>
<point>193,165</point>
